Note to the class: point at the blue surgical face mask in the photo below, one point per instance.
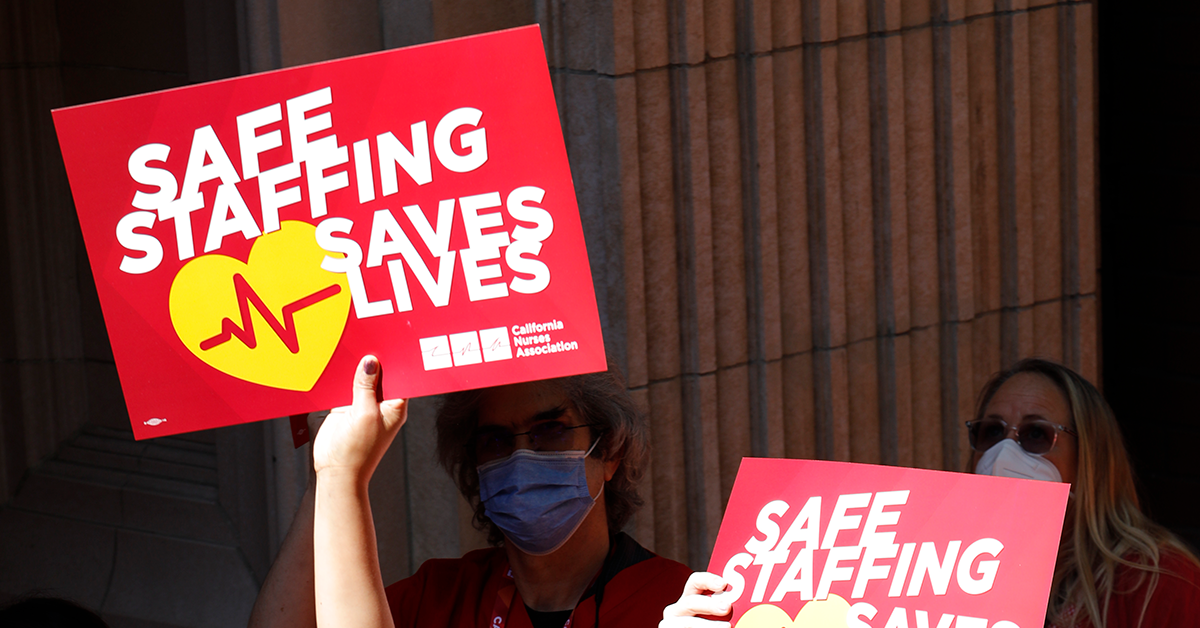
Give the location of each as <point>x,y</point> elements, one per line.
<point>537,498</point>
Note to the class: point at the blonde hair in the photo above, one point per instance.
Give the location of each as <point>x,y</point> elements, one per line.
<point>1105,527</point>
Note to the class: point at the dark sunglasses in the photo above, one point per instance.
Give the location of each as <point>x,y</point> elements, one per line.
<point>493,443</point>
<point>1035,437</point>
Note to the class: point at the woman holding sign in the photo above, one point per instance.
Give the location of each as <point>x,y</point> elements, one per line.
<point>1116,568</point>
<point>551,467</point>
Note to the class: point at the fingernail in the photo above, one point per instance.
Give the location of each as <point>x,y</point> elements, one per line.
<point>370,366</point>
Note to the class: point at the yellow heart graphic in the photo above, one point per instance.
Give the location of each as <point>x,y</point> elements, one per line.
<point>274,320</point>
<point>827,613</point>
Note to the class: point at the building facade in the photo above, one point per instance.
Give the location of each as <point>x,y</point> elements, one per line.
<point>815,229</point>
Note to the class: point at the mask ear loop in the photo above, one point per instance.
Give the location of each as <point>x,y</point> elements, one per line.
<point>585,457</point>
<point>590,449</point>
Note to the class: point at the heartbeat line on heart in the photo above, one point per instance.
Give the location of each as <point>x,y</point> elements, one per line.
<point>286,330</point>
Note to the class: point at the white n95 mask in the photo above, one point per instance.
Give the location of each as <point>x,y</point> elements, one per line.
<point>1007,459</point>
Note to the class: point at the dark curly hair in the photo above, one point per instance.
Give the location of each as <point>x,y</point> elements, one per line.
<point>602,402</point>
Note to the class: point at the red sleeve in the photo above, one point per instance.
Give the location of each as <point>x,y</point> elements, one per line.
<point>1174,603</point>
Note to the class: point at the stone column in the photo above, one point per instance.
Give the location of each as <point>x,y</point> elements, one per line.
<point>816,228</point>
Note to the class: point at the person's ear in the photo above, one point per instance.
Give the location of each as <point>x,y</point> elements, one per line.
<point>613,463</point>
<point>610,467</point>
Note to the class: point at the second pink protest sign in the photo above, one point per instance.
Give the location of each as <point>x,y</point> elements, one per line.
<point>818,544</point>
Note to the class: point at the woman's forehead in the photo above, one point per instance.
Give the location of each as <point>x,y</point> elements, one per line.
<point>517,405</point>
<point>1030,394</point>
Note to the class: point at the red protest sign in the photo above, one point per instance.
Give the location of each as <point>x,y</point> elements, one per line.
<point>824,544</point>
<point>252,238</point>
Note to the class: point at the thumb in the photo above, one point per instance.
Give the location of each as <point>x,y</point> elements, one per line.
<point>365,400</point>
<point>368,385</point>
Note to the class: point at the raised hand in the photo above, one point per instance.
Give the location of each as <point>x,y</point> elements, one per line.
<point>354,438</point>
<point>347,582</point>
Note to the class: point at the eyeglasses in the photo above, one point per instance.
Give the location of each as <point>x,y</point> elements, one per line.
<point>494,443</point>
<point>1036,437</point>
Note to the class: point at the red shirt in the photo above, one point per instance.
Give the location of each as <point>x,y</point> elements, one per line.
<point>463,592</point>
<point>1174,603</point>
